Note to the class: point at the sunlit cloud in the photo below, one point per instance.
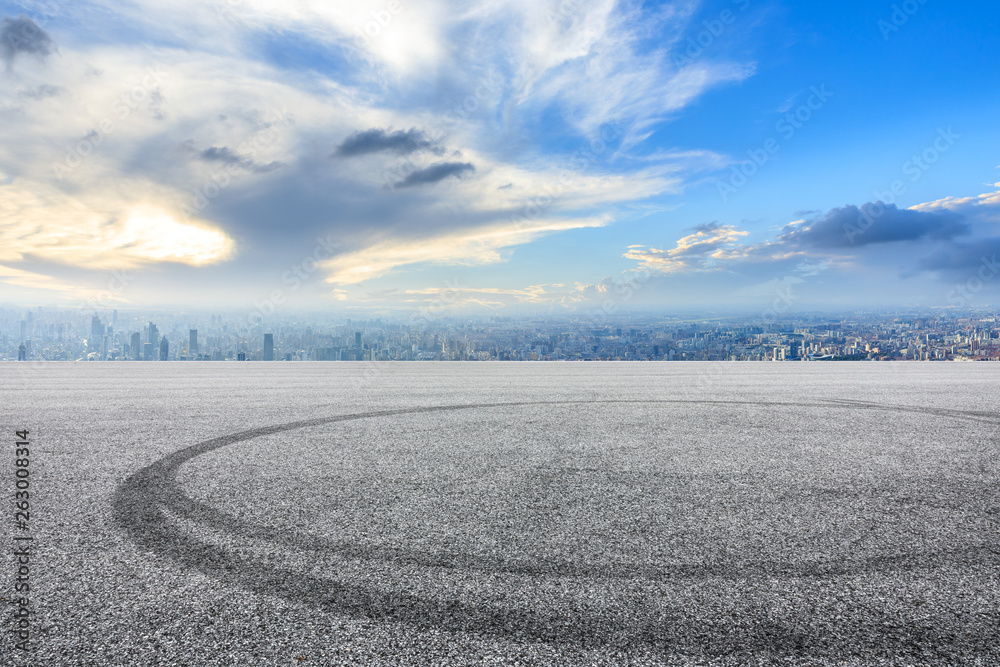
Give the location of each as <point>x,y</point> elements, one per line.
<point>983,201</point>
<point>49,226</point>
<point>30,280</point>
<point>275,123</point>
<point>466,248</point>
<point>698,251</point>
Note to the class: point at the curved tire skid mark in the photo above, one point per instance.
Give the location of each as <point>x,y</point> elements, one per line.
<point>144,502</point>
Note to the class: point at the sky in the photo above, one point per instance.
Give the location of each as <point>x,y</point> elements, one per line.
<point>489,157</point>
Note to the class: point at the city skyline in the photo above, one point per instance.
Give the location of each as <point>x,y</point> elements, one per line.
<point>389,157</point>
<point>54,335</point>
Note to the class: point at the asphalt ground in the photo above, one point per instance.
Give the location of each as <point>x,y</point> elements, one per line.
<point>508,513</point>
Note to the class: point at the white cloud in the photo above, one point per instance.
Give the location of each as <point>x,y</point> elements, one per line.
<point>101,232</point>
<point>108,169</point>
<point>465,247</point>
<point>29,280</point>
<point>960,204</point>
<point>699,251</point>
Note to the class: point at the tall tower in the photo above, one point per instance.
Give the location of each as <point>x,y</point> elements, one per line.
<point>136,346</point>
<point>268,347</point>
<point>96,333</point>
<point>193,342</point>
<point>164,349</point>
<point>153,335</point>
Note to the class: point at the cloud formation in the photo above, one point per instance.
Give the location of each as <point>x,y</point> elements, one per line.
<point>698,251</point>
<point>474,247</point>
<point>41,92</point>
<point>867,252</point>
<point>20,36</point>
<point>225,155</point>
<point>377,140</point>
<point>874,223</point>
<point>435,173</point>
<point>98,232</point>
<point>525,98</point>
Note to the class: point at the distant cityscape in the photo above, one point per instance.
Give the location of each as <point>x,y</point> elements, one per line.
<point>61,335</point>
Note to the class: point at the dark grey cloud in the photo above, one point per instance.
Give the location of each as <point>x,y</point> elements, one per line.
<point>225,155</point>
<point>852,227</point>
<point>21,35</point>
<point>220,154</point>
<point>40,92</point>
<point>434,173</point>
<point>964,257</point>
<point>377,140</point>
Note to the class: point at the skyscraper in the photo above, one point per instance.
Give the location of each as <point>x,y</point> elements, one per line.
<point>357,339</point>
<point>268,347</point>
<point>96,333</point>
<point>136,346</point>
<point>153,335</point>
<point>164,349</point>
<point>22,352</point>
<point>193,342</point>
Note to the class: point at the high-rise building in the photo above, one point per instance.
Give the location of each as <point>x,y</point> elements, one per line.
<point>164,349</point>
<point>136,346</point>
<point>193,342</point>
<point>152,335</point>
<point>268,347</point>
<point>96,333</point>
<point>22,352</point>
<point>24,329</point>
<point>357,339</point>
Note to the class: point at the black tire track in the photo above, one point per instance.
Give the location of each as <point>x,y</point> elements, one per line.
<point>145,503</point>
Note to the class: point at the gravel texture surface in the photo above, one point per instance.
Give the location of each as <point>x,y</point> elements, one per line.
<point>509,514</point>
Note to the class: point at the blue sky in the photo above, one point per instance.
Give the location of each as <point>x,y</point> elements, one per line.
<point>500,157</point>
